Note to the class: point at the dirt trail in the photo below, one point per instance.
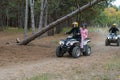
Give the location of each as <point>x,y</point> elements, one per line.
<point>18,62</point>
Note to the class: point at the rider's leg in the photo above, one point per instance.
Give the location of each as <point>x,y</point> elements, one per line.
<point>81,44</point>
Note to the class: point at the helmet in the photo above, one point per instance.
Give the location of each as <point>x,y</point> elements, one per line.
<point>75,23</point>
<point>114,25</point>
<point>84,24</point>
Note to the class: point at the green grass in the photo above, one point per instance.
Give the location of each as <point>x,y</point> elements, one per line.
<point>66,29</point>
<point>100,77</point>
<point>111,66</point>
<point>40,77</point>
<point>114,64</point>
<point>105,77</point>
<point>15,30</point>
<point>54,42</point>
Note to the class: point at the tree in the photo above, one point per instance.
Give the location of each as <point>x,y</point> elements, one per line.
<point>32,16</point>
<point>109,16</point>
<point>26,20</point>
<point>57,9</point>
<point>41,14</point>
<point>52,25</point>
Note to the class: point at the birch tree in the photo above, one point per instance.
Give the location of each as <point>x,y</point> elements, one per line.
<point>44,7</point>
<point>41,15</point>
<point>46,16</point>
<point>26,20</point>
<point>46,13</point>
<point>32,16</point>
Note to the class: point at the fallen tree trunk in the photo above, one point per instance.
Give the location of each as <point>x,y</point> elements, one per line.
<point>52,25</point>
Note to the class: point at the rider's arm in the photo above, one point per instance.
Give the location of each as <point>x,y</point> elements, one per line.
<point>70,31</point>
<point>117,29</point>
<point>110,29</point>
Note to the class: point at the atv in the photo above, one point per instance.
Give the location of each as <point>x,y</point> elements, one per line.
<point>112,38</point>
<point>72,46</point>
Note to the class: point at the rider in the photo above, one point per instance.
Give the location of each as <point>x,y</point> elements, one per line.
<point>84,34</point>
<point>75,31</point>
<point>113,29</point>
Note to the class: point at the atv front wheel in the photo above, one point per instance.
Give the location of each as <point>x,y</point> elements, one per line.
<point>59,52</point>
<point>76,52</point>
<point>107,42</point>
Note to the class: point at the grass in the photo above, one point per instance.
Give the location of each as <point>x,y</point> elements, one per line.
<point>54,42</point>
<point>80,73</point>
<point>114,64</point>
<point>40,77</point>
<point>15,30</point>
<point>112,68</point>
<point>66,29</point>
<point>101,77</point>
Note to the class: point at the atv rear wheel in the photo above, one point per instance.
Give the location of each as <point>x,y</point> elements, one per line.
<point>70,52</point>
<point>118,42</point>
<point>87,50</point>
<point>76,52</point>
<point>59,52</point>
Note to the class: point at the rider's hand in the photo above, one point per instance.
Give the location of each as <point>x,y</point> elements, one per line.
<point>65,32</point>
<point>78,33</point>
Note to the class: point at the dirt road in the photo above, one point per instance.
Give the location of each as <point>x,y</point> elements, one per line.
<point>38,58</point>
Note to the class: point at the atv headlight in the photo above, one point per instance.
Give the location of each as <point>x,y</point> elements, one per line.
<point>61,42</point>
<point>116,37</point>
<point>109,37</point>
<point>71,43</point>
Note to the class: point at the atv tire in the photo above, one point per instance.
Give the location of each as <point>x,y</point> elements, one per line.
<point>87,50</point>
<point>76,52</point>
<point>59,52</point>
<point>107,43</point>
<point>70,51</point>
<point>118,42</point>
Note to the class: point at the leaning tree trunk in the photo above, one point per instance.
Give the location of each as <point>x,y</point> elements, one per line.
<point>52,25</point>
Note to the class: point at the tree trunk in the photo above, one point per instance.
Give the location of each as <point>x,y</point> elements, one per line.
<point>26,20</point>
<point>41,15</point>
<point>46,15</point>
<point>32,16</point>
<point>52,25</point>
<point>7,17</point>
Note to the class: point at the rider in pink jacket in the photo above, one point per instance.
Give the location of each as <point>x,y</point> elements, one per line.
<point>84,34</point>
